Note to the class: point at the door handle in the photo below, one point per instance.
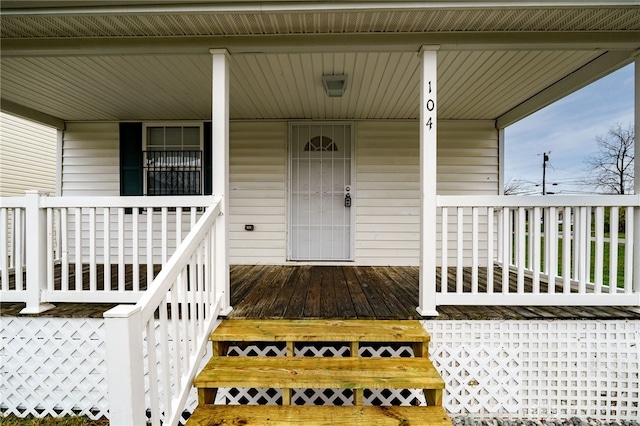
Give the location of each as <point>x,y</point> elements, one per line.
<point>347,200</point>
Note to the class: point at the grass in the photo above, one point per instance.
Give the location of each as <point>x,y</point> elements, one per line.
<point>51,421</point>
<point>592,267</point>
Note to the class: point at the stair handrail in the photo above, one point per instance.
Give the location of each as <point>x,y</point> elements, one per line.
<point>187,283</point>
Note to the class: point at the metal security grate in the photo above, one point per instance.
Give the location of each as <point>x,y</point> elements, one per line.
<point>173,172</point>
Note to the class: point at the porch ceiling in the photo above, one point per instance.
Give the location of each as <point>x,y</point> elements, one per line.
<point>105,62</point>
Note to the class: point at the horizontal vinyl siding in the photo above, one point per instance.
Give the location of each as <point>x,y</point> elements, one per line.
<point>467,158</point>
<point>257,180</point>
<point>27,156</point>
<point>388,182</point>
<point>90,159</point>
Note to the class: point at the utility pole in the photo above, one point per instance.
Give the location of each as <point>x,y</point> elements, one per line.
<point>545,158</point>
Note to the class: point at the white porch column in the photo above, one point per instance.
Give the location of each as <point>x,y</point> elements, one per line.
<point>428,151</point>
<point>220,152</point>
<point>125,367</point>
<point>636,182</point>
<point>36,249</point>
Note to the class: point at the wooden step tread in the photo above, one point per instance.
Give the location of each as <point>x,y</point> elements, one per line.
<point>320,331</point>
<point>321,373</point>
<point>208,415</point>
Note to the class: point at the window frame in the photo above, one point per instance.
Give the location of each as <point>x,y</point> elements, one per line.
<point>165,124</point>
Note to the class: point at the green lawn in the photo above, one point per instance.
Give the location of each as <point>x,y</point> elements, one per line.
<point>592,269</point>
<point>50,421</point>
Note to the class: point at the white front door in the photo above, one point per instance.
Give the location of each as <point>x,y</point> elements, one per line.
<point>320,191</point>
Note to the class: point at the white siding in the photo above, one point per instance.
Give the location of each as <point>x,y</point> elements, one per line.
<point>387,199</point>
<point>257,175</point>
<point>27,156</point>
<point>90,159</point>
<point>388,181</point>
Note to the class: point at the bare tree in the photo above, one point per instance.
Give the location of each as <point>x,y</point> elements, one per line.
<point>516,187</point>
<point>612,167</point>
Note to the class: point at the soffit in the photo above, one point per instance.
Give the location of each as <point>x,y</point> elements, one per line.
<point>108,63</point>
<point>382,85</point>
<point>212,21</point>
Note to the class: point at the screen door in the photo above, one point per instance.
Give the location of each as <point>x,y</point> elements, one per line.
<point>320,191</point>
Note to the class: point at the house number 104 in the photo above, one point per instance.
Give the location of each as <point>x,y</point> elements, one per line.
<point>430,105</point>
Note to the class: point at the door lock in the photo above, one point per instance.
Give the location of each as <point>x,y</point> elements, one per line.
<point>347,200</point>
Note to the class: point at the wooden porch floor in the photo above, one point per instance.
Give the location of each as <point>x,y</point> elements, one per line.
<point>345,292</point>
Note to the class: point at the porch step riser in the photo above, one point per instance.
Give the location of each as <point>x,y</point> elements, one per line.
<point>249,415</point>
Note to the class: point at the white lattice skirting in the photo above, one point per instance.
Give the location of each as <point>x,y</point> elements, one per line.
<point>519,369</point>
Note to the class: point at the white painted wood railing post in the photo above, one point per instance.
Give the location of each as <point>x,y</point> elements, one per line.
<point>36,259</point>
<point>220,152</point>
<point>125,368</point>
<point>428,152</point>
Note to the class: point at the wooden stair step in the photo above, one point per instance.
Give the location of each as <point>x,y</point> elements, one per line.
<point>208,415</point>
<point>320,373</point>
<point>309,330</point>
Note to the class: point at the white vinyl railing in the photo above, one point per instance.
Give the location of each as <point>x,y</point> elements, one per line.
<point>88,249</point>
<point>183,302</point>
<point>538,250</point>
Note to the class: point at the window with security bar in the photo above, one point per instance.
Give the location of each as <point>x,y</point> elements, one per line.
<point>172,160</point>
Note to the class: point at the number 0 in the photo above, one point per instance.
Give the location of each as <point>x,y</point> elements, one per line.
<point>430,105</point>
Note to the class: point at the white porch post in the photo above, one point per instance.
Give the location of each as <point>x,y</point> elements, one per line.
<point>36,259</point>
<point>428,151</point>
<point>636,182</point>
<point>125,368</point>
<point>220,152</point>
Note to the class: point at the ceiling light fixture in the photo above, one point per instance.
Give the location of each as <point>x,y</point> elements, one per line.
<point>334,85</point>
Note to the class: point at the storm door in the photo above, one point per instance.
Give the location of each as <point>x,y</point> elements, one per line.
<point>320,192</point>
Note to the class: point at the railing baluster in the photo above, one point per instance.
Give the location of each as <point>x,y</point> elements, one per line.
<point>506,243</point>
<point>520,261</point>
<point>18,241</point>
<point>175,326</point>
<point>164,235</point>
<point>577,226</point>
<point>150,219</point>
<point>165,360</point>
<point>613,249</point>
<point>551,252</point>
<point>121,250</point>
<point>444,268</point>
<point>474,250</point>
<point>599,250</point>
<point>178,226</point>
<point>64,231</point>
<point>566,250</point>
<point>50,250</point>
<point>193,302</point>
<point>499,237</point>
<point>135,240</point>
<point>460,250</point>
<point>78,250</point>
<point>58,231</point>
<point>583,241</point>
<point>93,264</point>
<point>181,282</point>
<point>629,250</point>
<point>535,254</point>
<point>106,248</point>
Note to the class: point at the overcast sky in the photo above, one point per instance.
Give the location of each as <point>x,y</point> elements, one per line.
<point>567,129</point>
